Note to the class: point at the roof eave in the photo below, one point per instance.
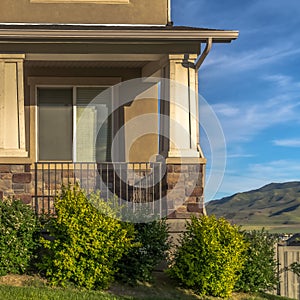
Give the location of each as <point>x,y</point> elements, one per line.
<point>218,36</point>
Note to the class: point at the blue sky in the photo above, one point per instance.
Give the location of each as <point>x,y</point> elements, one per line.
<point>253,85</point>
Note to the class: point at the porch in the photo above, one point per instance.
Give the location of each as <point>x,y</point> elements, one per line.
<point>73,98</point>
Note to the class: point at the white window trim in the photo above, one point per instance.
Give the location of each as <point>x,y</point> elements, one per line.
<point>65,82</point>
<point>74,106</point>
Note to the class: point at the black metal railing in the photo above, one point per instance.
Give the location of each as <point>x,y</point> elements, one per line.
<point>129,183</point>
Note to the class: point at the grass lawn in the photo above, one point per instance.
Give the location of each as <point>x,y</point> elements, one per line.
<point>44,293</point>
<point>15,287</point>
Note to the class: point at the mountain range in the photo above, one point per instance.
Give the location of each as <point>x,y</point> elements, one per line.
<point>272,204</point>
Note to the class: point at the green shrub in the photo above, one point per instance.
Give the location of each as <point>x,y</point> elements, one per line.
<point>209,256</point>
<point>18,235</point>
<point>259,273</point>
<point>86,241</point>
<point>153,244</point>
<point>295,268</point>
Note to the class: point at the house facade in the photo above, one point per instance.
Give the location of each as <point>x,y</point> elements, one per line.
<point>104,93</point>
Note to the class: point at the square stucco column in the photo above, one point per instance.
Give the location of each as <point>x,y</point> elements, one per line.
<point>185,163</point>
<point>183,95</point>
<point>12,119</point>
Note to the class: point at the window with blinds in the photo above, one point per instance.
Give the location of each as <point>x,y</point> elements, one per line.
<point>74,124</point>
<point>94,124</point>
<point>55,130</point>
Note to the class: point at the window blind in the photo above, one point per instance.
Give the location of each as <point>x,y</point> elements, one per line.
<point>93,109</point>
<point>55,130</point>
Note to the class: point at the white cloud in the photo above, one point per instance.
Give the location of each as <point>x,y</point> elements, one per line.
<point>243,121</point>
<point>251,119</point>
<point>288,88</point>
<point>233,184</point>
<point>278,170</point>
<point>279,80</point>
<point>257,175</point>
<point>246,60</point>
<point>287,142</point>
<point>239,155</point>
<point>226,110</point>
<point>237,151</point>
<point>285,90</point>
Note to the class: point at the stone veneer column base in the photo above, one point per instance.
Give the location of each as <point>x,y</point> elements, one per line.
<point>184,186</point>
<point>16,182</point>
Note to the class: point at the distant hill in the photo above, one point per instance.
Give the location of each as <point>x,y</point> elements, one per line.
<point>275,203</point>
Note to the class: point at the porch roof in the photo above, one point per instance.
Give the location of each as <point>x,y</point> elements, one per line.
<point>66,32</point>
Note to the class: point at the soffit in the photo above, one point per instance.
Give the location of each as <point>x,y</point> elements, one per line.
<point>86,64</point>
<point>92,57</point>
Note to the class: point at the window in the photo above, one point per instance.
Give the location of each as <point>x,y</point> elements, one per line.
<point>74,124</point>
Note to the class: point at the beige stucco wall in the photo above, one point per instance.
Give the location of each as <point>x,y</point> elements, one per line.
<point>84,11</point>
<point>141,127</point>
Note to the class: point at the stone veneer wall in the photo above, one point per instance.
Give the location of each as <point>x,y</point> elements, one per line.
<point>16,181</point>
